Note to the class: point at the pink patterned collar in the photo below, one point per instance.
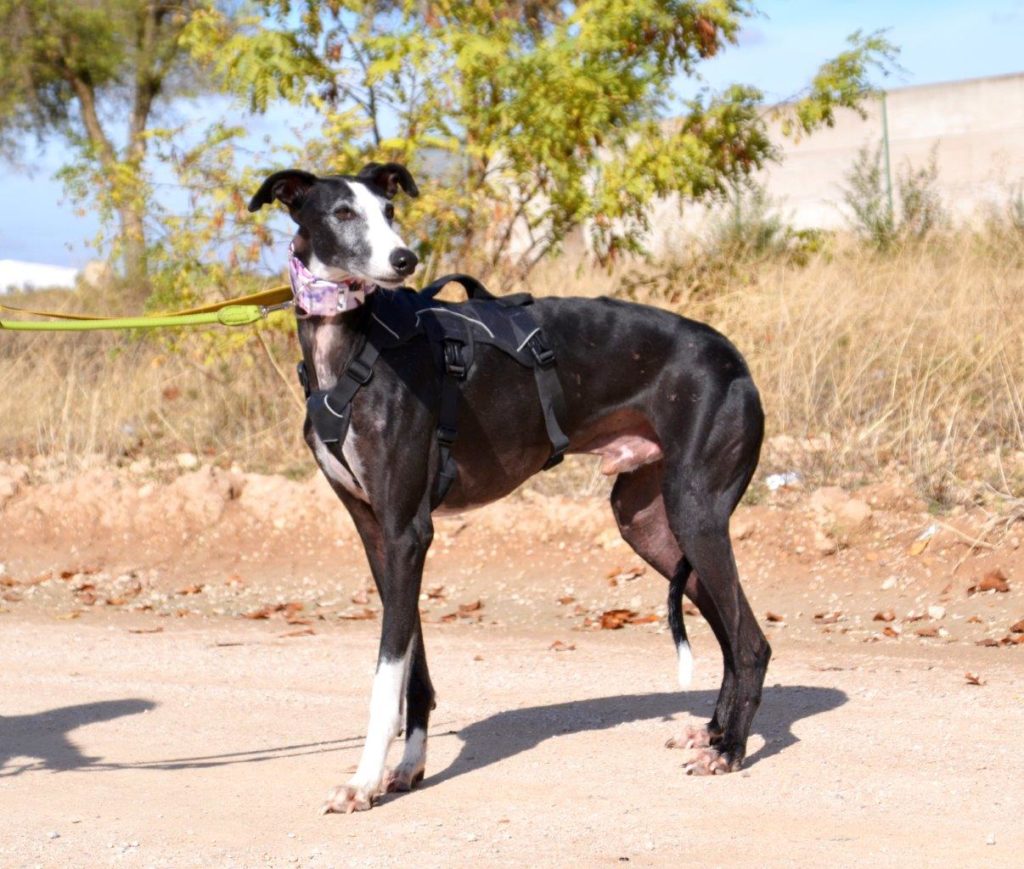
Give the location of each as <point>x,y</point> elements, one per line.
<point>319,297</point>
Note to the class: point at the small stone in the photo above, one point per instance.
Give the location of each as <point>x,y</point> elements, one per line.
<point>823,544</point>
<point>53,834</point>
<point>854,514</point>
<point>936,612</point>
<point>187,461</point>
<point>990,839</point>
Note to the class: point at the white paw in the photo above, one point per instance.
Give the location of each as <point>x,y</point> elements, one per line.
<point>403,777</point>
<point>349,798</point>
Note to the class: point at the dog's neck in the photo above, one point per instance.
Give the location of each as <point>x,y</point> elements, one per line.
<point>328,328</point>
<point>322,297</point>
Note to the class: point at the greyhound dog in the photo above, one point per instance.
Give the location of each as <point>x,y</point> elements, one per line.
<point>667,403</point>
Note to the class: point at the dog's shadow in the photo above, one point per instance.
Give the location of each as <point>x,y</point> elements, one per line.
<point>507,734</point>
<point>42,738</point>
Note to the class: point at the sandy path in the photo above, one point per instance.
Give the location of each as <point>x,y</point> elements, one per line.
<point>168,749</point>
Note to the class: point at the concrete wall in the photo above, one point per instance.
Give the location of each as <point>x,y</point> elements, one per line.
<point>976,126</point>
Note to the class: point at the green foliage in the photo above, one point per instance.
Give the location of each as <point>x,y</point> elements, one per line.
<point>526,120</point>
<point>867,197</point>
<point>532,119</point>
<point>921,208</point>
<point>917,212</point>
<point>842,82</point>
<point>748,225</point>
<point>67,70</point>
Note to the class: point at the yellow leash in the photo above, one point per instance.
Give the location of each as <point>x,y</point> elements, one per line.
<point>239,311</point>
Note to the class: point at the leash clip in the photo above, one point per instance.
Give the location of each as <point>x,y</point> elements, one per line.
<point>266,310</point>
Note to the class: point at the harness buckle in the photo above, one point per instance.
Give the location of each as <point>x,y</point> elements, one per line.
<point>303,374</point>
<point>359,371</point>
<point>542,354</point>
<point>446,436</point>
<point>453,361</point>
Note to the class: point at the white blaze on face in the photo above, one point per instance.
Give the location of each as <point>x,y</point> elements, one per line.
<point>383,240</point>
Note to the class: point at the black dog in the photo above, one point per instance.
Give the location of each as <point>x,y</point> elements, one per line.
<point>668,403</point>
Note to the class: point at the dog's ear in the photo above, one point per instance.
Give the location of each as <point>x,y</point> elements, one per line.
<point>388,177</point>
<point>289,187</point>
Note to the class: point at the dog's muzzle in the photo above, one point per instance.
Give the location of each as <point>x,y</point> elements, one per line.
<point>320,297</point>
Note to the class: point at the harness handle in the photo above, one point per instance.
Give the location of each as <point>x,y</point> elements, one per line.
<point>474,289</point>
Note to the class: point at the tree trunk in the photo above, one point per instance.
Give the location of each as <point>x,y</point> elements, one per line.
<point>133,247</point>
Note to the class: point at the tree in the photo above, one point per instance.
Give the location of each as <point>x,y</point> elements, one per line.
<point>535,117</point>
<point>92,73</point>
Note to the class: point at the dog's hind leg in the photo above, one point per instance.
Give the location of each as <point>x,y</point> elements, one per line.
<point>701,489</point>
<point>396,552</point>
<point>639,509</point>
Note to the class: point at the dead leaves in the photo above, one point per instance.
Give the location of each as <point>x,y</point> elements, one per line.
<point>467,611</point>
<point>927,631</point>
<point>301,632</point>
<point>974,679</point>
<point>613,620</point>
<point>994,580</point>
<point>625,574</point>
<point>559,646</point>
<point>775,618</point>
<point>361,596</point>
<point>290,611</point>
<point>361,615</point>
<point>1017,627</point>
<point>885,616</point>
<point>156,630</point>
<point>194,588</point>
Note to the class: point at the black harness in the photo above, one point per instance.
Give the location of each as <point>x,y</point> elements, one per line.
<point>395,317</point>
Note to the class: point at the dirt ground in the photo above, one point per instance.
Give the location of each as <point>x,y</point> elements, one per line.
<point>185,664</point>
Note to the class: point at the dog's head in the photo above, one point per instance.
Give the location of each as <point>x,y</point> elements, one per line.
<point>345,221</point>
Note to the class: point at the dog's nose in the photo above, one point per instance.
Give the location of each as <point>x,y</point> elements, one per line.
<point>403,261</point>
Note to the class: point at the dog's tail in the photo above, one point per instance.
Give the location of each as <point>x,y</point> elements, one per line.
<point>675,624</point>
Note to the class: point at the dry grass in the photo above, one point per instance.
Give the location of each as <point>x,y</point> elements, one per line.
<point>910,363</point>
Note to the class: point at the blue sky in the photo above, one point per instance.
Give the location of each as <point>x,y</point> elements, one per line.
<point>940,40</point>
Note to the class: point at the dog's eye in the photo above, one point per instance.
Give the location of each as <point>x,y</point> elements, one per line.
<point>344,213</point>
<point>389,211</point>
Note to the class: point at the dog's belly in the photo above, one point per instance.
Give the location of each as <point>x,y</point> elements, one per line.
<point>625,452</point>
<point>624,440</point>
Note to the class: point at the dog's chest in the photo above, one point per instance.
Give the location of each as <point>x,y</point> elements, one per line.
<point>348,474</point>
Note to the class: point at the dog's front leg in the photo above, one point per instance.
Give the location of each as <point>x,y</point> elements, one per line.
<point>396,559</point>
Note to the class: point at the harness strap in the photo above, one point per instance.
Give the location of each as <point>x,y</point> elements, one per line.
<point>549,387</point>
<point>552,399</point>
<point>455,369</point>
<point>474,289</point>
<point>329,410</point>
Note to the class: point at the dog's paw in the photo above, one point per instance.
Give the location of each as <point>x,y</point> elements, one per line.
<point>691,737</point>
<point>402,778</point>
<point>345,799</point>
<point>711,761</point>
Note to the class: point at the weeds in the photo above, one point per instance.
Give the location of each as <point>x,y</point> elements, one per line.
<point>909,363</point>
